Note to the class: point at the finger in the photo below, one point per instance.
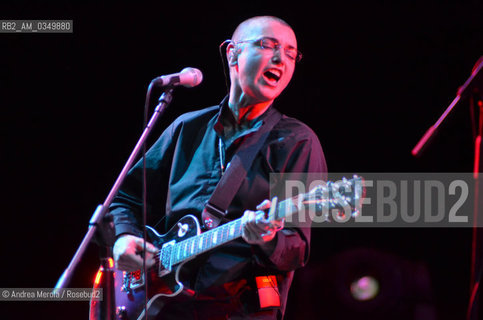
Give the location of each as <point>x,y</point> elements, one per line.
<point>150,260</point>
<point>251,237</point>
<point>269,224</point>
<point>278,224</point>
<point>254,230</point>
<point>264,205</point>
<point>255,237</point>
<point>268,236</point>
<point>248,231</point>
<point>249,217</point>
<point>255,218</point>
<point>262,222</point>
<point>258,232</point>
<point>245,217</point>
<point>149,246</point>
<point>255,222</point>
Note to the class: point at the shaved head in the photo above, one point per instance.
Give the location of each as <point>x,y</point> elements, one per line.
<point>242,28</point>
<point>259,73</point>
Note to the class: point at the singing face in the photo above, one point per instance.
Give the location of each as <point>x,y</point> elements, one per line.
<point>262,60</point>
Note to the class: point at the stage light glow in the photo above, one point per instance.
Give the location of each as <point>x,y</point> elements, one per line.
<point>365,288</point>
<point>111,263</point>
<point>97,279</point>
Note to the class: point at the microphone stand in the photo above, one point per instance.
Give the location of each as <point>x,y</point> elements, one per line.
<point>100,223</point>
<point>463,91</point>
<point>473,86</point>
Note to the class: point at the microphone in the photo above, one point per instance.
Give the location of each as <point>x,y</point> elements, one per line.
<point>188,77</point>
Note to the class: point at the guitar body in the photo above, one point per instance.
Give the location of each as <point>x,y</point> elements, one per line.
<point>162,284</point>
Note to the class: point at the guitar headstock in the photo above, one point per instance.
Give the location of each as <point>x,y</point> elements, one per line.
<point>340,199</point>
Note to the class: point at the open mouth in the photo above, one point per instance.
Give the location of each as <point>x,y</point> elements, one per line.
<point>272,75</point>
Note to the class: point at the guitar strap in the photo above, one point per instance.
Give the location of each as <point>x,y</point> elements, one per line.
<point>216,207</point>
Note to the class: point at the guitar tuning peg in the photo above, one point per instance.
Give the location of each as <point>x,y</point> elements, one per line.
<point>355,213</point>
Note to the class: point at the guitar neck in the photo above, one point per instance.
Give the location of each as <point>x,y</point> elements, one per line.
<point>341,195</point>
<point>232,230</point>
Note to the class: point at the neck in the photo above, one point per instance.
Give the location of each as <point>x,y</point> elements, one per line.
<point>244,110</point>
<point>243,107</point>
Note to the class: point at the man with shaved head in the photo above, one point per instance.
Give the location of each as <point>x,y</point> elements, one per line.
<point>189,159</point>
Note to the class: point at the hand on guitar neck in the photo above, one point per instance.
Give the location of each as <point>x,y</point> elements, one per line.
<point>258,228</point>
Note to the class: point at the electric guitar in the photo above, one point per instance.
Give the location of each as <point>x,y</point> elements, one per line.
<point>184,241</point>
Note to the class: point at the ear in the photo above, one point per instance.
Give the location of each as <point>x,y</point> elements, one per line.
<point>232,54</point>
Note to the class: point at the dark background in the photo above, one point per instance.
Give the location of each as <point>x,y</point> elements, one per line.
<point>375,75</point>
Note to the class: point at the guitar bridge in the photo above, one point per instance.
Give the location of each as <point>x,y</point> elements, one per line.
<point>132,280</point>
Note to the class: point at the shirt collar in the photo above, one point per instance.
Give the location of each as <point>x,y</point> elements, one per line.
<point>226,116</point>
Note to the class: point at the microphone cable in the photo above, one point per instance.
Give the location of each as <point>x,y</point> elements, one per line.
<point>144,201</point>
<point>224,63</point>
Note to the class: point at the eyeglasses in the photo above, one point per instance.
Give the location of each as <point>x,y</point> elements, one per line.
<point>272,44</point>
